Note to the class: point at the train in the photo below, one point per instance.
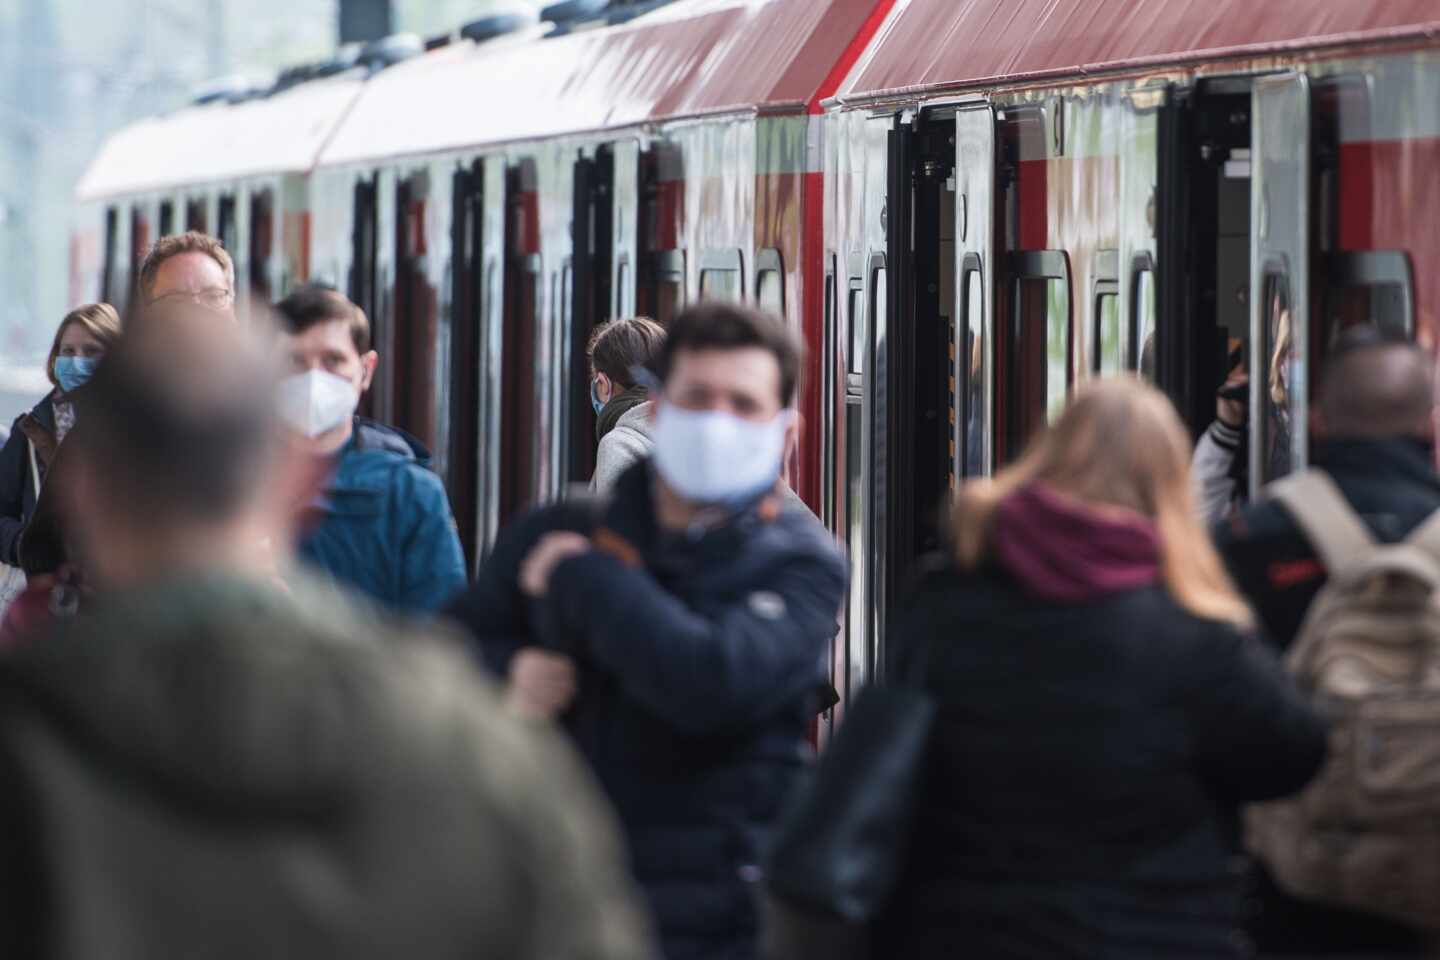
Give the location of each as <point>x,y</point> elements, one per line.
<point>965,209</point>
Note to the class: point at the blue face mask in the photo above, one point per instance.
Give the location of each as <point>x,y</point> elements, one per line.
<point>72,372</point>
<point>595,398</point>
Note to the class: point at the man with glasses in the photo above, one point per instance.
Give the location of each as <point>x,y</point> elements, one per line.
<point>189,267</point>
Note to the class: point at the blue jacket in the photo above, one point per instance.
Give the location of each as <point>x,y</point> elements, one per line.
<point>385,525</point>
<point>701,658</point>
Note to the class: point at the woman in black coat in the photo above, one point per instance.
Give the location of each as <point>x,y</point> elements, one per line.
<point>1104,708</point>
<point>82,339</point>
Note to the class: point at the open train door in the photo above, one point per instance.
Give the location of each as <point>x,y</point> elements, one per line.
<point>592,228</point>
<point>1279,276</point>
<point>973,366</point>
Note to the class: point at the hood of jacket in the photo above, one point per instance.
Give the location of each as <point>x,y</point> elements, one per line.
<point>228,692</point>
<point>620,406</point>
<point>370,435</point>
<point>1065,551</point>
<point>640,419</point>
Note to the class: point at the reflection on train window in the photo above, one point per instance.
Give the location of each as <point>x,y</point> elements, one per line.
<point>879,304</point>
<point>1279,392</point>
<point>1109,343</point>
<point>1039,371</point>
<point>855,542</point>
<point>1145,322</point>
<point>771,292</point>
<point>669,286</point>
<point>1369,287</point>
<point>721,285</point>
<point>622,289</point>
<point>974,358</point>
<point>857,329</point>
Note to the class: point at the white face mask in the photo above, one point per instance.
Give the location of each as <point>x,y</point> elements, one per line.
<point>315,401</point>
<point>708,456</point>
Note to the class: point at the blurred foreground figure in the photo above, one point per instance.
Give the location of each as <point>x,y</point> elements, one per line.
<point>679,629</point>
<point>382,523</point>
<point>206,765</point>
<point>1102,700</point>
<point>1373,456</point>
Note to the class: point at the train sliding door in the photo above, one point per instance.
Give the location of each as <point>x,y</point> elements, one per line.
<point>521,436</point>
<point>466,304</point>
<point>973,365</point>
<point>1279,276</point>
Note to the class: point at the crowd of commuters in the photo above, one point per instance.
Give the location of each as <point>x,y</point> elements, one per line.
<point>251,704</point>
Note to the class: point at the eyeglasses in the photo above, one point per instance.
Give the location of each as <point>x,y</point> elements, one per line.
<point>212,298</point>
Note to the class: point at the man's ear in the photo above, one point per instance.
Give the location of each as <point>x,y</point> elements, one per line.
<point>368,363</point>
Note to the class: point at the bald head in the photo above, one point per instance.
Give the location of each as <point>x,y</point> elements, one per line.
<point>1375,387</point>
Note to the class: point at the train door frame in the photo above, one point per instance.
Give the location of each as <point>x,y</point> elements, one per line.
<point>592,298</point>
<point>975,169</point>
<point>492,352</point>
<point>524,304</point>
<point>364,278</point>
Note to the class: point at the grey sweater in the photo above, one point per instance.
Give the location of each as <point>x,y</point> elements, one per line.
<point>628,442</point>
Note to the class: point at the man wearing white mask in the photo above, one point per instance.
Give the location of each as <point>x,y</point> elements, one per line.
<point>382,524</point>
<point>679,629</point>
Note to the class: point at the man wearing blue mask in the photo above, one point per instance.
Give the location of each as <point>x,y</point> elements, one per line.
<point>382,524</point>
<point>679,629</point>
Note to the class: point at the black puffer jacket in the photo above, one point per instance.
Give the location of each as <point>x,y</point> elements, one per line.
<point>17,484</point>
<point>700,661</point>
<point>1083,757</point>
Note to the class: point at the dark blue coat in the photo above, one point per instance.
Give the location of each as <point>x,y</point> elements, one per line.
<point>17,487</point>
<point>385,526</point>
<point>700,656</point>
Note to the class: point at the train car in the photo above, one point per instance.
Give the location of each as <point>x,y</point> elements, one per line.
<point>1020,195</point>
<point>487,206</point>
<point>235,166</point>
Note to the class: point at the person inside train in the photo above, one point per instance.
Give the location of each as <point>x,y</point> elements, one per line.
<point>206,764</point>
<point>1102,699</point>
<point>1220,469</point>
<point>81,341</point>
<point>624,428</point>
<point>192,267</point>
<point>679,631</point>
<point>1373,434</point>
<point>383,524</point>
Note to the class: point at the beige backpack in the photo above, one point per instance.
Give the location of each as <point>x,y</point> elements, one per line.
<point>1365,833</point>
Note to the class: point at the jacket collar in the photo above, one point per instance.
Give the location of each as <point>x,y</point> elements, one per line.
<point>1395,458</point>
<point>619,405</point>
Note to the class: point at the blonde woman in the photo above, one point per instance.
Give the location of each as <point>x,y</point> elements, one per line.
<point>1102,703</point>
<point>84,336</point>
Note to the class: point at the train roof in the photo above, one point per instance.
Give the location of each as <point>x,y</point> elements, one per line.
<point>278,134</point>
<point>692,58</point>
<point>940,44</point>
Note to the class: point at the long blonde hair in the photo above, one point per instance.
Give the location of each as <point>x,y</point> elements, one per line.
<point>1118,444</point>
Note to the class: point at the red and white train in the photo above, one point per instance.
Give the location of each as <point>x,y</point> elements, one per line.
<point>966,206</point>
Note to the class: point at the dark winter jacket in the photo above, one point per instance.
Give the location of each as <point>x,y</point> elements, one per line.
<point>1392,484</point>
<point>212,768</point>
<point>17,486</point>
<point>701,656</point>
<point>383,524</point>
<point>1083,755</point>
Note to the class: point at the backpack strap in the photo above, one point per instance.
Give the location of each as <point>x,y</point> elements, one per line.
<point>1427,536</point>
<point>1333,528</point>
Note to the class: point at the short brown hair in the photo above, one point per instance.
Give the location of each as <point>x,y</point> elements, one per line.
<point>715,325</point>
<point>192,241</point>
<point>618,347</point>
<point>101,320</point>
<point>311,304</point>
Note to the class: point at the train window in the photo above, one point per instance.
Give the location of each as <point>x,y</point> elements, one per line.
<point>262,243</point>
<point>167,218</point>
<point>720,285</point>
<point>195,218</point>
<point>226,228</point>
<point>669,286</point>
<point>770,282</point>
<point>1143,322</point>
<point>856,315</point>
<point>1280,389</point>
<point>1038,354</point>
<point>855,504</point>
<point>1369,287</point>
<point>107,268</point>
<point>972,357</point>
<point>1109,356</point>
<point>622,286</point>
